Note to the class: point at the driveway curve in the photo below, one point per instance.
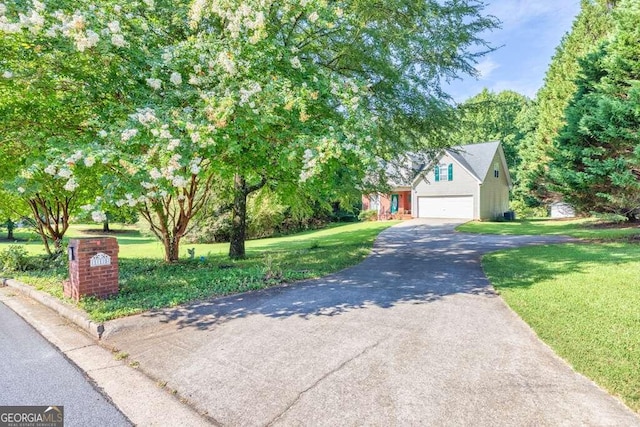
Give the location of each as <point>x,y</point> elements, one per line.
<point>414,335</point>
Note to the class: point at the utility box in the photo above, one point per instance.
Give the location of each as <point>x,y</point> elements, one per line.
<point>93,268</point>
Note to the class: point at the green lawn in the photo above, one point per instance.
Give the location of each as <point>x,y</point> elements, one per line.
<point>146,282</point>
<point>582,228</point>
<point>582,299</point>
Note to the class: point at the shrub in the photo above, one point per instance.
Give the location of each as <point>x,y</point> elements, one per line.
<point>524,211</point>
<point>368,215</point>
<point>610,217</point>
<point>14,258</point>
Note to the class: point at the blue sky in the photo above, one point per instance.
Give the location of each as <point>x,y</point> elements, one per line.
<point>531,31</point>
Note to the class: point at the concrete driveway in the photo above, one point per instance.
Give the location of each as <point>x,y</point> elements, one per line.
<point>414,335</point>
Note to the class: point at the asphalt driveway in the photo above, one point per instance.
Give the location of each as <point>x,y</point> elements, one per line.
<point>414,335</point>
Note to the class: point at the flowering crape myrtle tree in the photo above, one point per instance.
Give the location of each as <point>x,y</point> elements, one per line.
<point>264,92</point>
<point>46,107</point>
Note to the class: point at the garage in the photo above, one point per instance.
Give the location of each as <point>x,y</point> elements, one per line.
<point>446,207</point>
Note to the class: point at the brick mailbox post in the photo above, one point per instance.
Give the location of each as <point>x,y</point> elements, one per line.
<point>93,267</point>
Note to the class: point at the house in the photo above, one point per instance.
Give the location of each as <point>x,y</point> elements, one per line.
<point>464,182</point>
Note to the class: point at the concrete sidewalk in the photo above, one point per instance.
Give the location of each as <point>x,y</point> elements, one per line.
<point>140,399</point>
<point>412,336</point>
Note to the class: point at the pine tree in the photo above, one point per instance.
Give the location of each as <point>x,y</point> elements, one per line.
<point>590,27</point>
<point>597,155</point>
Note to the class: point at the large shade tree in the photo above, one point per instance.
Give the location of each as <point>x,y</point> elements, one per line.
<point>232,96</point>
<point>490,116</point>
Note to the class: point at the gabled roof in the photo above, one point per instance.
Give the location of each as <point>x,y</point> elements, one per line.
<point>475,158</point>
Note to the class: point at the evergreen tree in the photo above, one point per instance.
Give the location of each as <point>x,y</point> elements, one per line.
<point>597,160</point>
<point>592,25</point>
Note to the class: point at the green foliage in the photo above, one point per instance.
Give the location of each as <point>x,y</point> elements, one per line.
<point>582,300</point>
<point>14,258</point>
<point>543,123</point>
<point>524,210</point>
<point>597,162</point>
<point>368,215</point>
<point>489,117</point>
<point>267,216</point>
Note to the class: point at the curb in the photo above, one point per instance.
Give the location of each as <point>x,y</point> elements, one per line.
<point>64,309</point>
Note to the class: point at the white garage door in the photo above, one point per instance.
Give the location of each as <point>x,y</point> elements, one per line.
<point>446,207</point>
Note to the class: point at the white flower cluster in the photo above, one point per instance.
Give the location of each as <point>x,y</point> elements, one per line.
<point>118,40</point>
<point>130,200</point>
<point>51,170</point>
<point>113,28</point>
<point>64,173</point>
<point>309,161</point>
<point>71,185</point>
<point>176,78</point>
<point>163,132</point>
<point>145,116</point>
<point>98,216</point>
<point>237,19</point>
<point>194,165</point>
<point>155,84</point>
<point>127,134</point>
<point>246,93</point>
<point>225,59</point>
<point>74,27</point>
<point>295,62</point>
<point>32,21</point>
<point>74,157</point>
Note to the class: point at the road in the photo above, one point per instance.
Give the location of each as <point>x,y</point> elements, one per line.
<point>33,372</point>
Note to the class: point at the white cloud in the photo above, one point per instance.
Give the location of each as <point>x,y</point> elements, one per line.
<point>485,68</point>
<point>514,13</point>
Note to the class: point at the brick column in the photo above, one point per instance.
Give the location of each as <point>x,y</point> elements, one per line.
<point>93,268</point>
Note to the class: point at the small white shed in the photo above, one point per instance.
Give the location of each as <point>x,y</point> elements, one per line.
<point>561,210</point>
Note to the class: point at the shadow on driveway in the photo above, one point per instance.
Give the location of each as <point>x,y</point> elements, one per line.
<point>415,262</point>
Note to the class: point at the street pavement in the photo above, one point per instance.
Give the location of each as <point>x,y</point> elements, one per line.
<point>34,373</point>
<point>414,335</point>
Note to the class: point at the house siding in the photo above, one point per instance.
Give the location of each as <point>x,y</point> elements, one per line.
<point>463,184</point>
<point>494,192</point>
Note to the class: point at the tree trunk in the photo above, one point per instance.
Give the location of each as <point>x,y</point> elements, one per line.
<point>45,241</point>
<point>57,244</point>
<point>238,218</point>
<point>10,226</point>
<point>105,226</point>
<point>171,248</point>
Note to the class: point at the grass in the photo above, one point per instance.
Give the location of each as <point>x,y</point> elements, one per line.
<point>586,228</point>
<point>146,282</point>
<point>582,299</point>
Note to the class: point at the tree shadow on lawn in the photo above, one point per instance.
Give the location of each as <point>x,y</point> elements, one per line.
<point>524,267</point>
<point>410,265</point>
